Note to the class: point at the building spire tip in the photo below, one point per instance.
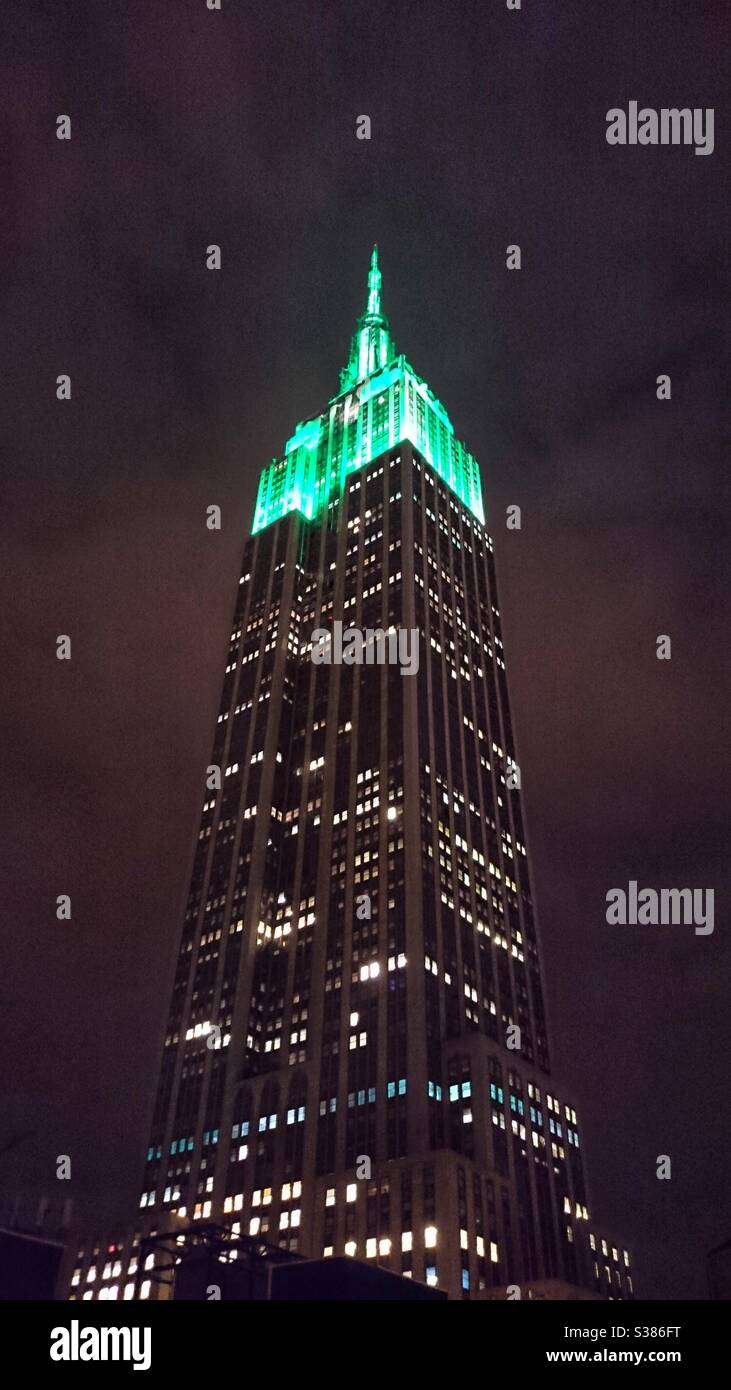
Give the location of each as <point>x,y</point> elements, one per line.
<point>371,347</point>
<point>374,286</point>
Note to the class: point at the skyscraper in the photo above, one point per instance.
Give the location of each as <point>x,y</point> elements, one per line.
<point>357,1059</point>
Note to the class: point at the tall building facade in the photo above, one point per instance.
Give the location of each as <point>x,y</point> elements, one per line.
<point>357,1056</point>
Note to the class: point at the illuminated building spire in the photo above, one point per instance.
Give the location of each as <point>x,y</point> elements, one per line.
<point>374,287</point>
<point>372,346</point>
<point>380,403</point>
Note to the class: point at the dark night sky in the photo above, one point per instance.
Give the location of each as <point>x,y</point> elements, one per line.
<point>191,127</point>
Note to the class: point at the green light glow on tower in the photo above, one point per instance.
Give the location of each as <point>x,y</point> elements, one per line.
<point>381,403</point>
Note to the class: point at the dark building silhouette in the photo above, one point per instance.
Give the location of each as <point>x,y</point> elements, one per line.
<point>33,1245</point>
<point>719,1270</point>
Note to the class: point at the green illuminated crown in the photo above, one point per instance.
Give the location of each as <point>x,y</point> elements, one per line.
<point>381,403</point>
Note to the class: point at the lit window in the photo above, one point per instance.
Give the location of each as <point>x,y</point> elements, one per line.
<point>430,1237</point>
<point>370,1247</point>
<point>384,1246</point>
<point>351,1192</point>
<point>330,1197</point>
<point>254,1225</point>
<point>350,1248</point>
<point>407,1240</point>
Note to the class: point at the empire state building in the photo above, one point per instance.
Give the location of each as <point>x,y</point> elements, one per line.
<point>357,1057</point>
